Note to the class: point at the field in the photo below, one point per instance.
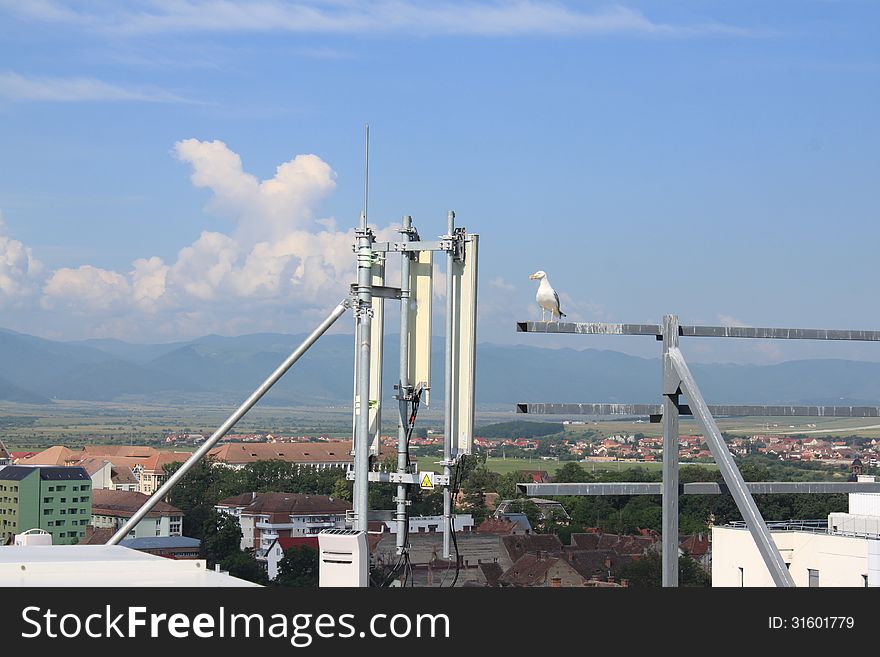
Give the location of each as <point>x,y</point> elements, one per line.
<point>741,426</point>
<point>25,426</point>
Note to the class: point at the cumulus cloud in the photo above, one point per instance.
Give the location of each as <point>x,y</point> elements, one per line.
<point>19,270</point>
<point>280,267</point>
<point>264,209</point>
<point>86,288</point>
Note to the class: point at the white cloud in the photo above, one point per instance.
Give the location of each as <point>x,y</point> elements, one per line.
<point>486,17</point>
<point>264,209</point>
<point>73,90</point>
<point>499,283</point>
<point>19,270</point>
<point>86,288</point>
<point>728,320</point>
<point>280,268</point>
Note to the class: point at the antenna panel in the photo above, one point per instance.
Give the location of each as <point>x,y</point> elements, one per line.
<point>421,286</point>
<point>464,346</point>
<point>377,344</point>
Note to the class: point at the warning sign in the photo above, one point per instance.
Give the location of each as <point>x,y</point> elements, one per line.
<point>426,482</point>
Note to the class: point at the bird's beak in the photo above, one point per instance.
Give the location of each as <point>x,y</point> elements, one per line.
<point>532,277</point>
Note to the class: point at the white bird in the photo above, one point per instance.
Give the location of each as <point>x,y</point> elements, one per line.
<point>547,297</point>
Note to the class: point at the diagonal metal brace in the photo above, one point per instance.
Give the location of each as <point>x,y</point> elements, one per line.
<point>732,477</point>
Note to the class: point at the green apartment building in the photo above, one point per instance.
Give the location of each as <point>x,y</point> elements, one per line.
<point>55,499</point>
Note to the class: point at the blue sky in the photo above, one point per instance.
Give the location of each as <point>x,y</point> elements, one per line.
<point>716,159</point>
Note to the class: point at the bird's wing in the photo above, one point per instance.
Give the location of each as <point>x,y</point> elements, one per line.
<point>556,296</point>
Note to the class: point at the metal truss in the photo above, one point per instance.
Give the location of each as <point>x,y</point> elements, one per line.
<point>677,380</point>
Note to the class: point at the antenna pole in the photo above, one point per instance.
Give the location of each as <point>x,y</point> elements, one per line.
<point>366,174</point>
<point>404,388</point>
<point>364,314</point>
<point>450,393</point>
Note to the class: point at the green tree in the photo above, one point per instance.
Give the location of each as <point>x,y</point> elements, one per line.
<point>298,567</point>
<point>648,572</point>
<point>527,507</point>
<point>572,472</point>
<point>221,537</point>
<point>244,565</point>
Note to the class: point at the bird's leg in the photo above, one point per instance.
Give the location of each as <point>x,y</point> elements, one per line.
<point>543,314</point>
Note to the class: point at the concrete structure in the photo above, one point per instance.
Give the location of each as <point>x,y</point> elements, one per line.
<point>103,565</point>
<point>813,559</point>
<point>845,551</point>
<point>112,508</point>
<point>265,517</point>
<point>56,499</point>
<point>464,522</point>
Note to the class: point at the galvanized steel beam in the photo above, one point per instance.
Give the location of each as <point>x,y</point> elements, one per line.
<point>763,333</point>
<point>730,410</point>
<point>701,488</point>
<point>732,476</point>
<point>671,389</point>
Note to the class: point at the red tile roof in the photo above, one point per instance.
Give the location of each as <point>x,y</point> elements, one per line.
<point>123,504</point>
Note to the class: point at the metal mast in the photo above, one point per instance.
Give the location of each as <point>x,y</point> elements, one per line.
<point>404,388</point>
<point>364,314</point>
<point>449,421</point>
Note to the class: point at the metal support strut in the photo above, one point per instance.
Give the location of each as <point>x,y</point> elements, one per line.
<point>230,422</point>
<point>671,391</point>
<point>732,476</point>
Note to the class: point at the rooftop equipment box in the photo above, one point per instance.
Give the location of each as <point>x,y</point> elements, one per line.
<point>344,559</point>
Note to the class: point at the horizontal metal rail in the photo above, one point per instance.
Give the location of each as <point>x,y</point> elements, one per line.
<point>589,328</point>
<point>742,410</point>
<point>602,328</point>
<point>702,488</point>
<point>399,247</point>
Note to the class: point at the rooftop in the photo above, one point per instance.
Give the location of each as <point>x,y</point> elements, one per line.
<point>123,503</point>
<point>103,565</point>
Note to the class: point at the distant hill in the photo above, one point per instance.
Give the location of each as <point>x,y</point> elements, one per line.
<point>228,368</point>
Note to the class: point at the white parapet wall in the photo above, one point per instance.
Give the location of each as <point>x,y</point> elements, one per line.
<point>103,565</point>
<point>820,558</point>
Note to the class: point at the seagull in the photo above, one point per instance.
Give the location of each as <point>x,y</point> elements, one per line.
<point>547,297</point>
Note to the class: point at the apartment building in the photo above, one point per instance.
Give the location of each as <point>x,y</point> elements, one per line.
<point>55,499</point>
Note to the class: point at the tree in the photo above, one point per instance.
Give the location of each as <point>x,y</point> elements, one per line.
<point>648,572</point>
<point>527,507</point>
<point>221,537</point>
<point>298,567</point>
<point>244,565</point>
<point>572,472</point>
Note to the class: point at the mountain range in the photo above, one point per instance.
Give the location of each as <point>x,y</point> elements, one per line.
<point>227,369</point>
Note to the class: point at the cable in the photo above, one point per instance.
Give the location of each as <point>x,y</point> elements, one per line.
<point>456,484</point>
<point>458,470</point>
<point>404,560</point>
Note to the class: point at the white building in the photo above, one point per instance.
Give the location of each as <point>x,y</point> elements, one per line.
<point>463,522</point>
<point>845,553</point>
<point>113,508</point>
<point>264,517</point>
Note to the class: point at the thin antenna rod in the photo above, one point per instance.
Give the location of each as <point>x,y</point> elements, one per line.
<point>366,174</point>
